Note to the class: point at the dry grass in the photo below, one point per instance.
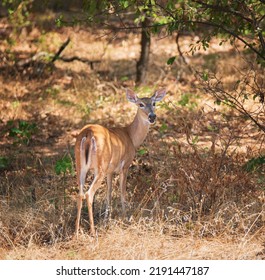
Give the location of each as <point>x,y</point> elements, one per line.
<point>189,195</point>
<point>137,243</point>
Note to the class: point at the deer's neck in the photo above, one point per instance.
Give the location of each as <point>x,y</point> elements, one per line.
<point>138,129</point>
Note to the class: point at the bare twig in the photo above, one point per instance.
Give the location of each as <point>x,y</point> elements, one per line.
<point>182,56</point>
<point>61,49</point>
<point>231,101</point>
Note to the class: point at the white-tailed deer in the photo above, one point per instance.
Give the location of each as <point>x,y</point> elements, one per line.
<point>109,150</point>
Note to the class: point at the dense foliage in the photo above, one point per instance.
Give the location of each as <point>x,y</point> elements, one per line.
<point>242,20</point>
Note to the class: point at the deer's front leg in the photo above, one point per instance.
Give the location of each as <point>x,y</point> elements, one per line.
<point>123,180</point>
<point>108,199</point>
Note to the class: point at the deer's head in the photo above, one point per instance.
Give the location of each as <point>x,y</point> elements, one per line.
<point>146,105</point>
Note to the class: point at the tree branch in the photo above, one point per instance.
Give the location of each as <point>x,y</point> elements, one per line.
<point>261,38</point>
<point>219,26</point>
<point>61,49</point>
<point>228,32</point>
<point>225,9</point>
<point>231,101</point>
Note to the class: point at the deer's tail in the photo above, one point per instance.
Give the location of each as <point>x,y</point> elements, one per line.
<point>85,144</point>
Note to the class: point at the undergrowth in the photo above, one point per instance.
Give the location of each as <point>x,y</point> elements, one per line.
<point>198,191</point>
<point>199,174</point>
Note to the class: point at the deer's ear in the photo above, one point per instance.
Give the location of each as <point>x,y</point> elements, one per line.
<point>131,95</point>
<point>159,94</point>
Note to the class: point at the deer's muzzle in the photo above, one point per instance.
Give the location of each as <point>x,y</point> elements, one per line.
<point>152,117</point>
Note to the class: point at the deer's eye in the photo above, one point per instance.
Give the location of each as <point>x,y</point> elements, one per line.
<point>141,105</point>
<point>154,103</point>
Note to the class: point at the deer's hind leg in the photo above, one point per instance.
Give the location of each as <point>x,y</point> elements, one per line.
<point>81,180</point>
<point>90,197</point>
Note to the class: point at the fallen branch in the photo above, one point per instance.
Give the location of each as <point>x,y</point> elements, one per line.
<point>49,59</point>
<point>36,57</point>
<point>61,49</point>
<point>84,60</point>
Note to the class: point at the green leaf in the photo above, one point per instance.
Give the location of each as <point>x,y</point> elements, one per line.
<point>142,151</point>
<point>125,4</point>
<point>171,60</point>
<point>218,102</point>
<point>59,21</point>
<point>195,140</point>
<point>205,76</point>
<point>22,132</point>
<point>3,163</point>
<point>254,164</point>
<point>185,99</point>
<point>64,165</point>
<point>163,128</point>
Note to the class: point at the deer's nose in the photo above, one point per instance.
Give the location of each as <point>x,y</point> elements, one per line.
<point>152,117</point>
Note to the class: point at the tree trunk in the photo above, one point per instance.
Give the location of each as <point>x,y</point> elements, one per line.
<point>142,63</point>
